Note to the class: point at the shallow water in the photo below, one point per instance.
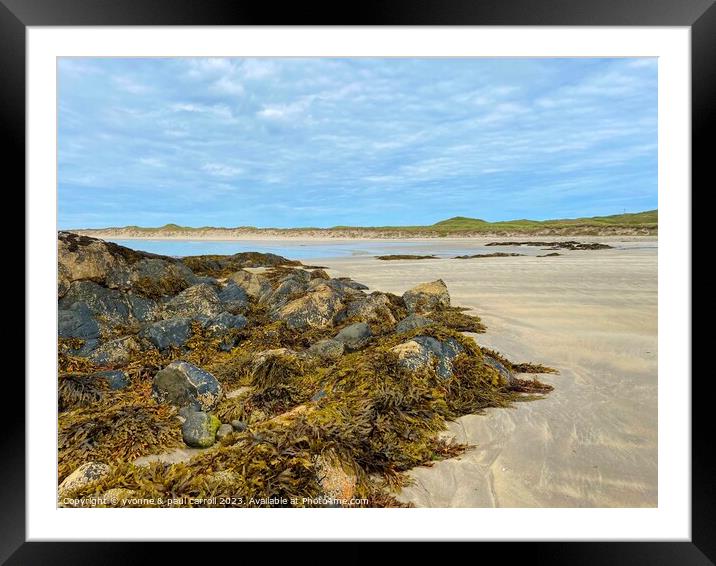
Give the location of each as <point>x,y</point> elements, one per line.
<point>321,249</point>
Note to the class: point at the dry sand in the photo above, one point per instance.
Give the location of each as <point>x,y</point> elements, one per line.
<point>592,315</point>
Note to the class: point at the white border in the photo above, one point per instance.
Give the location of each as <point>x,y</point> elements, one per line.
<point>671,520</point>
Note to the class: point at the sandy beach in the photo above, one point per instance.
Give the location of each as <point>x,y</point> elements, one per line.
<point>592,315</point>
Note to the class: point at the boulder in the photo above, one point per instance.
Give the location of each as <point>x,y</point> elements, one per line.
<point>355,336</point>
<point>85,474</point>
<point>219,326</point>
<point>238,425</point>
<point>224,431</point>
<point>166,333</point>
<point>286,291</point>
<point>505,374</point>
<point>427,297</point>
<point>316,309</point>
<point>373,308</point>
<point>116,352</point>
<point>327,349</point>
<point>319,274</point>
<point>196,301</point>
<point>422,351</point>
<point>253,284</point>
<point>77,322</point>
<point>115,378</point>
<point>110,306</point>
<point>411,322</point>
<point>199,429</point>
<point>233,298</point>
<point>81,258</point>
<point>182,383</point>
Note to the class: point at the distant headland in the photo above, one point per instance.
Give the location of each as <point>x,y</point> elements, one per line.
<point>628,224</point>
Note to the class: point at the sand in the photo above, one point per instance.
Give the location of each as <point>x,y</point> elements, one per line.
<point>592,315</point>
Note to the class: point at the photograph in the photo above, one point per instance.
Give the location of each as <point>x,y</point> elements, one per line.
<point>357,282</point>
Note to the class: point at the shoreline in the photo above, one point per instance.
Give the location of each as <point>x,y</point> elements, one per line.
<point>325,238</point>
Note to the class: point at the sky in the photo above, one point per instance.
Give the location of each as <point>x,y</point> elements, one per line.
<point>363,142</point>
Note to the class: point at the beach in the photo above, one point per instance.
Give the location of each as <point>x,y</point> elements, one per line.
<point>592,315</point>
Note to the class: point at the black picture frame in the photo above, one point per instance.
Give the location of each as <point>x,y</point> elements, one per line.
<point>698,15</point>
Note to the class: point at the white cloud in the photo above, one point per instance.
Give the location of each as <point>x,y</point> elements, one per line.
<point>132,86</point>
<point>221,170</point>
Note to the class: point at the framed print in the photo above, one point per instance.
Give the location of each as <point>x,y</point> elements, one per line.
<point>421,276</point>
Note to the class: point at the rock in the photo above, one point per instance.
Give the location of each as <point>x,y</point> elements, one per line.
<point>348,283</point>
<point>220,325</point>
<point>187,410</point>
<point>319,274</point>
<point>224,431</point>
<point>155,277</point>
<point>413,321</point>
<point>199,430</point>
<point>115,378</point>
<point>182,383</point>
<point>337,485</point>
<point>239,426</point>
<point>111,306</point>
<point>328,349</point>
<point>286,291</point>
<point>85,474</point>
<point>166,333</point>
<point>316,309</point>
<point>298,275</point>
<point>196,301</point>
<point>253,284</point>
<point>77,322</point>
<point>118,496</point>
<point>419,352</point>
<point>373,308</point>
<point>505,374</point>
<point>234,298</point>
<point>427,296</point>
<point>354,336</point>
<point>116,352</point>
<point>81,258</point>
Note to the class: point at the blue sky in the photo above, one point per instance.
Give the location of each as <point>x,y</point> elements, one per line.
<point>324,142</point>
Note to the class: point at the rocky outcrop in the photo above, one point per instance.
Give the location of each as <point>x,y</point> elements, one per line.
<point>77,322</point>
<point>183,384</point>
<point>427,297</point>
<point>233,298</point>
<point>116,352</point>
<point>326,349</point>
<point>373,308</point>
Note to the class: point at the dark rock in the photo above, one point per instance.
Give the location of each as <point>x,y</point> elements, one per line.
<point>505,374</point>
<point>327,349</point>
<point>427,296</point>
<point>116,378</point>
<point>319,274</point>
<point>116,352</point>
<point>197,300</point>
<point>166,333</point>
<point>154,277</point>
<point>411,322</point>
<point>199,429</point>
<point>234,298</point>
<point>111,306</point>
<point>182,383</point>
<point>220,325</point>
<point>239,426</point>
<point>286,291</point>
<point>354,336</point>
<point>77,322</point>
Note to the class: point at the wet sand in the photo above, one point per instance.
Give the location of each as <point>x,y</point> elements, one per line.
<point>590,314</point>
